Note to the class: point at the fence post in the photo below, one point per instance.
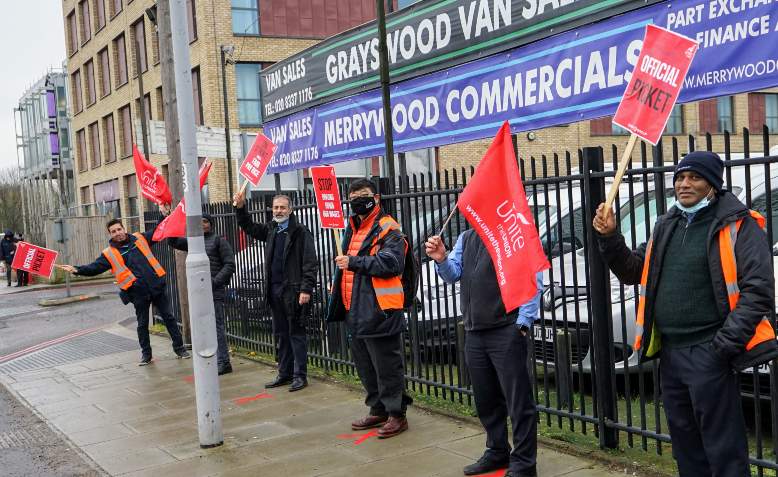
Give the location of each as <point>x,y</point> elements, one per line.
<point>600,319</point>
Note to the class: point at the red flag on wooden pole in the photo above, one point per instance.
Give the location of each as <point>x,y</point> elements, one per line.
<point>152,184</point>
<point>174,225</point>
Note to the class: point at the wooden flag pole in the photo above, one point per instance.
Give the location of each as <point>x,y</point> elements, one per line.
<point>338,243</point>
<point>448,219</point>
<point>241,191</point>
<point>620,171</point>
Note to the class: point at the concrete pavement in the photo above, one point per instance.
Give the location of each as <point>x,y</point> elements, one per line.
<point>140,421</point>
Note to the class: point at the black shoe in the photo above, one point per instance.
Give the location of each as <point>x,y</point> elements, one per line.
<point>183,354</point>
<point>279,381</point>
<point>226,369</point>
<point>531,472</point>
<point>145,361</point>
<point>485,464</point>
<point>298,384</point>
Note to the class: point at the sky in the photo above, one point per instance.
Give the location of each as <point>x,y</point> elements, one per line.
<point>32,40</point>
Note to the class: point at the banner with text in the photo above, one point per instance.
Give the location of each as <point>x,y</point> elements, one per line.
<point>431,35</point>
<point>574,76</point>
<point>325,184</point>
<point>34,259</point>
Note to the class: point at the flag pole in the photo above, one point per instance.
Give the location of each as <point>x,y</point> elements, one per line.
<point>338,244</point>
<point>241,191</point>
<point>620,171</point>
<point>448,219</point>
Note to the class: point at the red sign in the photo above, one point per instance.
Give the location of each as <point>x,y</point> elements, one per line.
<point>152,183</point>
<point>256,161</point>
<point>325,184</point>
<point>495,204</point>
<point>655,83</point>
<point>34,259</point>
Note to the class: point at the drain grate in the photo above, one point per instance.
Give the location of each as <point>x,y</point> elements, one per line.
<point>99,343</point>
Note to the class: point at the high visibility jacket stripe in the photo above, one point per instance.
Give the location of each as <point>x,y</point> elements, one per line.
<point>145,249</point>
<point>358,237</point>
<point>124,276</point>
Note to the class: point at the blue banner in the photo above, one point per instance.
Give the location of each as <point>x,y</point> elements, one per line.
<point>574,76</point>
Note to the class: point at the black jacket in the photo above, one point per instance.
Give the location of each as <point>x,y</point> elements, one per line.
<point>147,282</point>
<point>7,250</point>
<point>300,263</point>
<point>754,270</point>
<point>365,319</point>
<point>221,257</point>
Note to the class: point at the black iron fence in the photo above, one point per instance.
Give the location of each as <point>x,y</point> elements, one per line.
<point>587,378</point>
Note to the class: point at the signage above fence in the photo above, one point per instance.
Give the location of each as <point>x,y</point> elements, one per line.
<point>574,76</point>
<point>428,36</point>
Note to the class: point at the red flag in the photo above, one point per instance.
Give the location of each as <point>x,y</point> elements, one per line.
<point>152,183</point>
<point>174,225</point>
<point>495,204</point>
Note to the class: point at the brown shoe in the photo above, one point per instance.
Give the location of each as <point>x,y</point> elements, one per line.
<point>368,422</point>
<point>394,426</point>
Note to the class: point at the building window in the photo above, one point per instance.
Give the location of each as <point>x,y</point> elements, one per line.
<point>725,114</point>
<point>618,130</point>
<point>675,122</point>
<point>191,20</point>
<point>91,93</point>
<point>133,212</point>
<point>249,104</point>
<point>99,14</point>
<point>94,144</point>
<point>245,17</point>
<point>197,97</point>
<point>771,112</point>
<point>125,128</point>
<point>83,163</point>
<point>104,72</point>
<point>86,24</point>
<point>160,104</point>
<point>116,7</point>
<point>146,106</point>
<point>110,139</point>
<point>155,47</point>
<point>72,33</point>
<point>120,60</point>
<point>78,105</point>
<point>139,45</point>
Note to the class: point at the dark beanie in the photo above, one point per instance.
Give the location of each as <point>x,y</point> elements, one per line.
<point>705,163</point>
<point>208,217</point>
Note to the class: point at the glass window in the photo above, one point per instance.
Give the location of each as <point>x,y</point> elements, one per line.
<point>94,144</point>
<point>81,150</point>
<point>99,13</point>
<point>191,20</point>
<point>249,104</point>
<point>197,97</point>
<point>245,17</point>
<point>725,114</point>
<point>105,73</point>
<point>759,204</point>
<point>116,7</point>
<point>618,130</point>
<point>120,59</point>
<point>110,139</point>
<point>77,97</point>
<point>139,36</point>
<point>86,23</point>
<point>675,122</point>
<point>771,112</point>
<point>636,212</point>
<point>72,33</point>
<point>126,131</point>
<point>91,93</point>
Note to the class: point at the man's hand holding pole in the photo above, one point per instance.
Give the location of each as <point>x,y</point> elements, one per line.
<point>605,220</point>
<point>435,249</point>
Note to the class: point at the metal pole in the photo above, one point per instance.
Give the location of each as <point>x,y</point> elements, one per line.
<point>599,278</point>
<point>226,121</point>
<point>198,274</point>
<point>383,56</point>
<point>143,126</point>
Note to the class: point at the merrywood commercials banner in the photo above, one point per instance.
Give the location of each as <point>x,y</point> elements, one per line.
<point>428,36</point>
<point>574,76</point>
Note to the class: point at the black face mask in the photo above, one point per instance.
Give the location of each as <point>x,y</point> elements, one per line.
<point>362,205</point>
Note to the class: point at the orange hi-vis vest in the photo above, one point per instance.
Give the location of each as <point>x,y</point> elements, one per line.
<point>125,277</point>
<point>727,239</point>
<point>388,291</point>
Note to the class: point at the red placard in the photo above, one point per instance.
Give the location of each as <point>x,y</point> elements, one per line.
<point>325,184</point>
<point>34,259</point>
<point>256,161</point>
<point>655,83</point>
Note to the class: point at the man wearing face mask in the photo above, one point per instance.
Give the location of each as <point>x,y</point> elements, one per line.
<point>706,291</point>
<point>290,268</point>
<point>367,293</point>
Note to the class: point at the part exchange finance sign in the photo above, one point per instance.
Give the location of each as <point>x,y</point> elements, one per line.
<point>428,36</point>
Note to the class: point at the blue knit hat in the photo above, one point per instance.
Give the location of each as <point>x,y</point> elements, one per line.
<point>707,164</point>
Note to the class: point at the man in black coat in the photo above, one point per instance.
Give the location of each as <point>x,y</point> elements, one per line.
<point>290,268</point>
<point>706,292</point>
<point>7,252</point>
<point>141,281</point>
<point>222,261</point>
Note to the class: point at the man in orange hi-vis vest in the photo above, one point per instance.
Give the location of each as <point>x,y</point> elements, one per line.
<point>368,293</point>
<point>706,292</point>
<point>141,281</point>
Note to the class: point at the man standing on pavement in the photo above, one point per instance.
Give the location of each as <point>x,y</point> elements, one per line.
<point>22,277</point>
<point>706,286</point>
<point>367,292</point>
<point>496,350</point>
<point>222,262</point>
<point>290,269</point>
<point>141,281</point>
<point>7,252</point>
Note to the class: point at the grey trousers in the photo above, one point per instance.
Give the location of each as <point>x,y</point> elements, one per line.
<point>222,349</point>
<point>379,363</point>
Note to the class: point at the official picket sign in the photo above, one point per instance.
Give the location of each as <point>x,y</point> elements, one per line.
<point>325,184</point>
<point>258,158</point>
<point>34,259</point>
<point>430,35</point>
<point>574,76</point>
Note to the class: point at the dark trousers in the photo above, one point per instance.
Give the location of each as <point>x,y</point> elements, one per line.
<point>222,349</point>
<point>8,271</point>
<point>22,278</point>
<point>497,360</point>
<point>701,397</point>
<point>379,363</point>
<point>162,304</point>
<point>290,340</point>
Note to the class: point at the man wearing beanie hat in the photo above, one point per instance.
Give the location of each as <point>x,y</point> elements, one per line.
<point>222,261</point>
<point>706,290</point>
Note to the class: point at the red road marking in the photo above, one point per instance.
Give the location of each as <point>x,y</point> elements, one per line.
<point>360,438</point>
<point>244,400</point>
<point>46,344</point>
<point>189,379</point>
<point>496,473</point>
